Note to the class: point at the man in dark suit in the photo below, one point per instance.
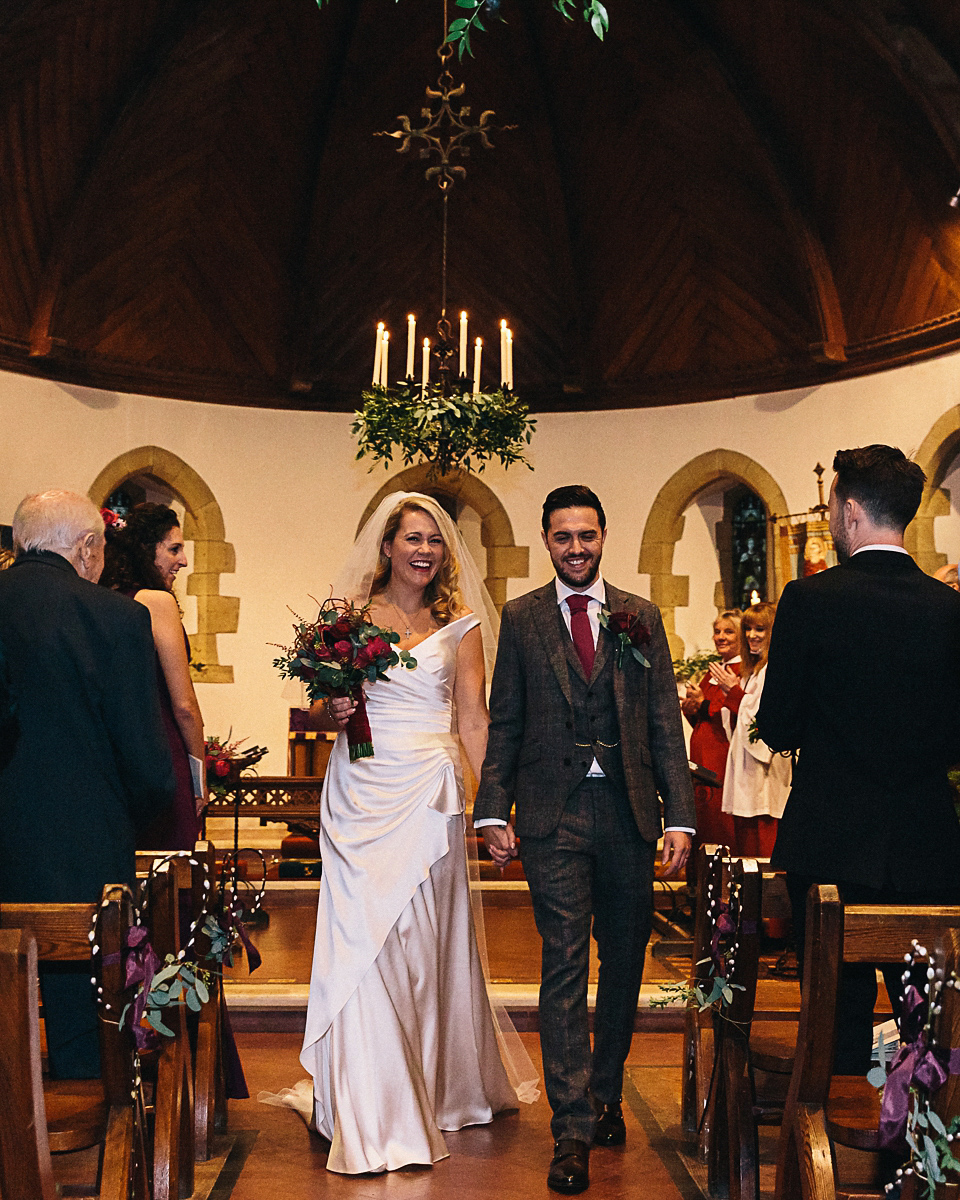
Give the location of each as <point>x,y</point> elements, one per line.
<point>863,680</point>
<point>88,762</point>
<point>581,741</point>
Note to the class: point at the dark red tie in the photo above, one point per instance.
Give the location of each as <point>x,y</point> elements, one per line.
<point>581,632</point>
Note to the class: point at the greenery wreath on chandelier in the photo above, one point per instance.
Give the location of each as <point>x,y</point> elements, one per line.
<point>451,430</point>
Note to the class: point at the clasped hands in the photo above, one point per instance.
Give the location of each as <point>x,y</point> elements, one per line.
<point>502,843</point>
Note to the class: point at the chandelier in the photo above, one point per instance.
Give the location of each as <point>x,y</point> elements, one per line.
<point>444,137</point>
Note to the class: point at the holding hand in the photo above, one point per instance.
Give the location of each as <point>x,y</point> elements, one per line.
<point>723,676</point>
<point>341,709</point>
<point>501,842</point>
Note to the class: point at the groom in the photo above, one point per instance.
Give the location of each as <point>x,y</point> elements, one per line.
<point>581,741</point>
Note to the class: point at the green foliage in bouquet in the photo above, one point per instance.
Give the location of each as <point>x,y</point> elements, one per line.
<point>450,432</point>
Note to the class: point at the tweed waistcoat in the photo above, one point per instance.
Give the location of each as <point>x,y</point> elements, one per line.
<point>595,725</point>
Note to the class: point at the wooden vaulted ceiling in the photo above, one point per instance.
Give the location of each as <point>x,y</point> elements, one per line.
<point>726,196</point>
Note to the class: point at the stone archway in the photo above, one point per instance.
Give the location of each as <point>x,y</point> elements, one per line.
<point>505,559</point>
<point>212,554</point>
<point>665,521</point>
<point>936,453</point>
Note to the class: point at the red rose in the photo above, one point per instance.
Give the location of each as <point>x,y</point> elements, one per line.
<point>323,653</point>
<point>344,650</point>
<point>377,646</point>
<point>364,658</point>
<point>209,760</point>
<point>619,622</point>
<point>342,626</point>
<point>222,767</point>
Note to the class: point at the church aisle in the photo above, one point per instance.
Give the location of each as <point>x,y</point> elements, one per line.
<point>508,1158</point>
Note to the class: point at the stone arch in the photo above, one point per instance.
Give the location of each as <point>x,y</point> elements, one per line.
<point>212,554</point>
<point>937,451</point>
<point>505,559</point>
<point>665,521</point>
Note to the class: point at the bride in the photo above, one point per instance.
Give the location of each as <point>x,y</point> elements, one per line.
<point>401,1041</point>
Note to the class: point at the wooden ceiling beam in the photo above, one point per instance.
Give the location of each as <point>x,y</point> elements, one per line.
<point>780,174</point>
<point>167,34</point>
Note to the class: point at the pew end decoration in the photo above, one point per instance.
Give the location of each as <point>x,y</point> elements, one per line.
<point>908,1120</point>
<point>336,654</point>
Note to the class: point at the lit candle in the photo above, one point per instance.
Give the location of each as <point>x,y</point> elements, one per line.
<point>477,352</point>
<point>425,378</point>
<point>378,351</point>
<point>383,359</point>
<point>503,353</point>
<point>463,345</point>
<point>411,343</point>
<point>509,358</point>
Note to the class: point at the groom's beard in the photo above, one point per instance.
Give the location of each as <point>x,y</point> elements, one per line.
<point>582,581</point>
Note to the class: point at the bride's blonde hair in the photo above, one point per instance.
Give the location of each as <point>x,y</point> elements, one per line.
<point>442,593</point>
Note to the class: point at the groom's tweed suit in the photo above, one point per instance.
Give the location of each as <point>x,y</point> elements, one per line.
<point>587,846</point>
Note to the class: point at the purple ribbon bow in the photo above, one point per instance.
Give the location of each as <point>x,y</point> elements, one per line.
<point>231,921</point>
<point>723,924</point>
<point>915,1061</point>
<point>142,964</point>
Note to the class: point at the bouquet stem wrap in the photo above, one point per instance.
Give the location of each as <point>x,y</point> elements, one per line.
<point>359,737</point>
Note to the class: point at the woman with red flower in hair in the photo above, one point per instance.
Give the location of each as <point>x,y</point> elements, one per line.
<point>142,557</point>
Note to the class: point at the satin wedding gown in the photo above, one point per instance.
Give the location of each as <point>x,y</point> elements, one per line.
<point>401,1042</point>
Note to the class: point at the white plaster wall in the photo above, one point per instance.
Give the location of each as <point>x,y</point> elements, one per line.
<point>292,494</point>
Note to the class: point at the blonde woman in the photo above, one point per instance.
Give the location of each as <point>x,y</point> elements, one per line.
<point>401,1042</point>
<point>757,781</point>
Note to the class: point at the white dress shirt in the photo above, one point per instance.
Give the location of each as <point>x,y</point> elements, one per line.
<point>596,595</point>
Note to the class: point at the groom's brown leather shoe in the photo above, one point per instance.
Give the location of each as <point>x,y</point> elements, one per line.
<point>610,1130</point>
<point>570,1170</point>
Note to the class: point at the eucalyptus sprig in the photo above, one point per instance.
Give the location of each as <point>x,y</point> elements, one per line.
<point>458,431</point>
<point>177,982</point>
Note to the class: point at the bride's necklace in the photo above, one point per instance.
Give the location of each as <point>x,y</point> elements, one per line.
<point>404,619</point>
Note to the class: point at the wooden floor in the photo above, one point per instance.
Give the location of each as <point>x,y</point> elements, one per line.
<point>508,1158</point>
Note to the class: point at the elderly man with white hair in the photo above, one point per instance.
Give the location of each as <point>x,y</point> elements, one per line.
<point>87,762</point>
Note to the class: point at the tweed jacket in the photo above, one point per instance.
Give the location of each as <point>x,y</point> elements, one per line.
<point>533,761</point>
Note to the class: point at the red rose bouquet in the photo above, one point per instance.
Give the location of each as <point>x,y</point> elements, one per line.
<point>335,655</point>
<point>630,632</point>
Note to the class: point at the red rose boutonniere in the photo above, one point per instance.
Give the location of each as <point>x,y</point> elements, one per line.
<point>630,632</point>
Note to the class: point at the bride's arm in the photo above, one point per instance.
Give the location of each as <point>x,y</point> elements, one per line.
<point>470,695</point>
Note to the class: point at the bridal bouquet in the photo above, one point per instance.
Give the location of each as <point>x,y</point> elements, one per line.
<point>335,655</point>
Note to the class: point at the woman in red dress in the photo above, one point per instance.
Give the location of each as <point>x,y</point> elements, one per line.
<point>712,722</point>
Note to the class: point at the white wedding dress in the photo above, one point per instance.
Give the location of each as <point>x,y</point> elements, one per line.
<point>401,1041</point>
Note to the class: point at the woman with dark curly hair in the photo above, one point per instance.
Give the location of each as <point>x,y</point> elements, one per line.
<point>143,555</point>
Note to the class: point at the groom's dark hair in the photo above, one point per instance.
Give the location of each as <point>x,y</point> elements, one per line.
<point>574,495</point>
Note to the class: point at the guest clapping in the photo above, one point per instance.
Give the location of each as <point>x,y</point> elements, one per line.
<point>705,708</point>
<point>757,781</point>
<point>143,556</point>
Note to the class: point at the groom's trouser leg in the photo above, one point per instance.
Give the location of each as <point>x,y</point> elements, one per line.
<point>594,866</point>
<point>622,919</point>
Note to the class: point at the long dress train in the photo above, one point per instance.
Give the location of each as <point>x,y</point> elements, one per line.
<point>401,1042</point>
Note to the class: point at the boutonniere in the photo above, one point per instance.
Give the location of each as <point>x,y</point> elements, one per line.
<point>630,632</point>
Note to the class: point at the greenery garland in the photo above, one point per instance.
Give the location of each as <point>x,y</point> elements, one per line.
<point>450,432</point>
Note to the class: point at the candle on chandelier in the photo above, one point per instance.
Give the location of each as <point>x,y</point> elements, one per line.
<point>425,378</point>
<point>411,343</point>
<point>378,351</point>
<point>503,353</point>
<point>477,352</point>
<point>509,358</point>
<point>463,345</point>
<point>383,358</point>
